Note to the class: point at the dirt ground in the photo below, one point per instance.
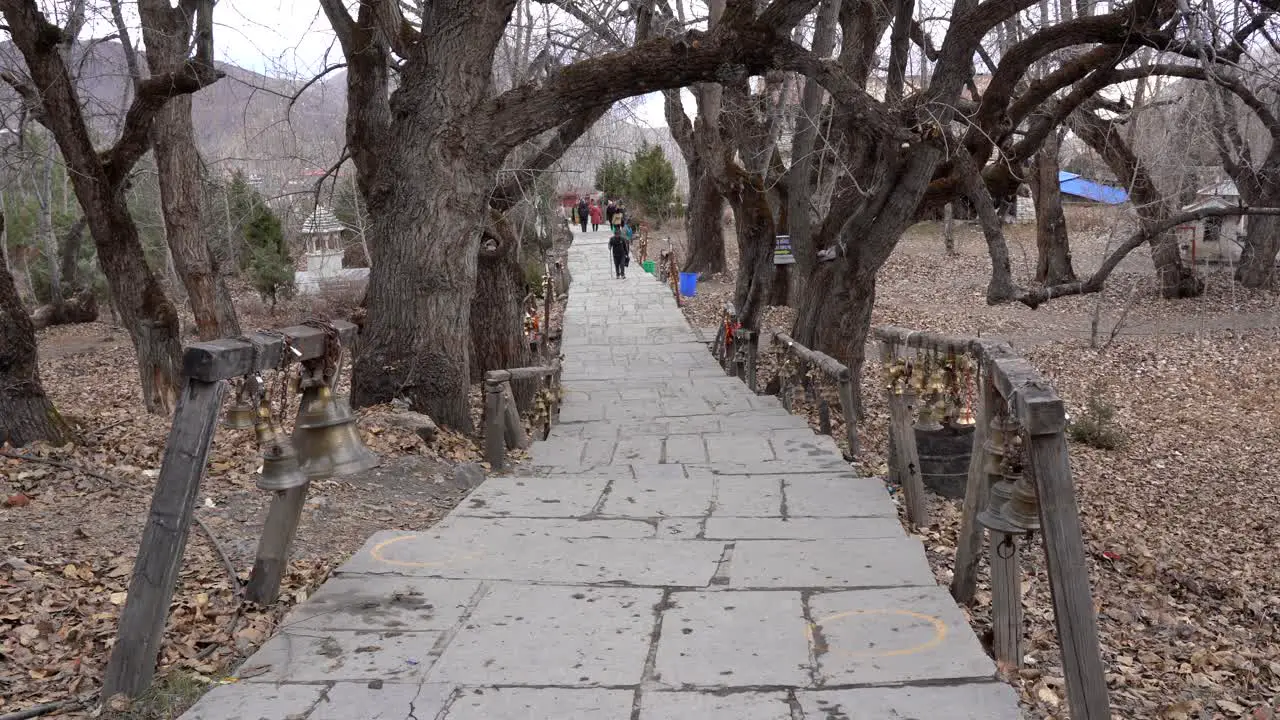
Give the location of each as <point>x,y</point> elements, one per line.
<point>1180,522</point>
<point>71,519</point>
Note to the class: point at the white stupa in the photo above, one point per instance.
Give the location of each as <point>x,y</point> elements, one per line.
<point>322,233</point>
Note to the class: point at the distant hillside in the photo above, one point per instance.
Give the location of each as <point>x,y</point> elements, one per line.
<point>244,120</point>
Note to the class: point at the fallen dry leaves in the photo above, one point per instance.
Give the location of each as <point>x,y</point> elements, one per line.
<point>71,519</point>
<point>1182,525</point>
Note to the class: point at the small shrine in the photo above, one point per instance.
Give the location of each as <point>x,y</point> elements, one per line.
<point>321,234</point>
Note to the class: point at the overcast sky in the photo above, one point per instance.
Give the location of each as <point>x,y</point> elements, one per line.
<point>292,38</point>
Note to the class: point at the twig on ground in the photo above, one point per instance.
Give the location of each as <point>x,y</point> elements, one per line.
<point>222,553</point>
<point>58,464</point>
<point>231,633</point>
<point>42,709</point>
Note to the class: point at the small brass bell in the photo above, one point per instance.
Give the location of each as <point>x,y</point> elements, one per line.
<point>993,516</point>
<point>326,436</point>
<point>279,459</point>
<point>240,416</point>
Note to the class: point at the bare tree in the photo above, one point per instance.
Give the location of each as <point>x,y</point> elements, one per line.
<point>167,33</point>
<point>26,412</point>
<point>450,135</point>
<point>99,178</point>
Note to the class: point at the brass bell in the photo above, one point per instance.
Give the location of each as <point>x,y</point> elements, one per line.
<point>326,436</point>
<point>279,459</point>
<point>1023,508</point>
<point>240,416</point>
<point>992,516</point>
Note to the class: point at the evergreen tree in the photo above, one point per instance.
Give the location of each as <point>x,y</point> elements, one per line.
<point>652,183</point>
<point>270,268</point>
<point>612,177</point>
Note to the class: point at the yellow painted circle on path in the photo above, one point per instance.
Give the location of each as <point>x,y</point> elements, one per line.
<point>377,554</point>
<point>939,632</point>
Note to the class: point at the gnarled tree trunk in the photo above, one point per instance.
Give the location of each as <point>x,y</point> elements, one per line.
<point>753,221</point>
<point>26,413</point>
<point>835,317</point>
<point>410,280</point>
<point>1257,268</point>
<point>497,314</point>
<point>704,222</point>
<point>1053,248</point>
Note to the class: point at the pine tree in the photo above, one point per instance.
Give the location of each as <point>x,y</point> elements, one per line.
<point>270,268</point>
<point>652,183</point>
<point>613,177</point>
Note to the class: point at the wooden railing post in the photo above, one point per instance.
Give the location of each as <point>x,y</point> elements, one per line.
<point>969,542</point>
<point>1050,467</point>
<point>906,459</point>
<point>1006,599</point>
<point>495,447</point>
<point>278,533</point>
<point>847,409</point>
<point>164,539</point>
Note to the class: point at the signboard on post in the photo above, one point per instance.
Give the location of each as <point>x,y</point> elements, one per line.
<point>782,250</point>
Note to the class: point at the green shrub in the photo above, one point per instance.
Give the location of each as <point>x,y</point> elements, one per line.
<point>1096,426</point>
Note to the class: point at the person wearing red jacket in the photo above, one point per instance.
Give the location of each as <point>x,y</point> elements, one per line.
<point>595,216</point>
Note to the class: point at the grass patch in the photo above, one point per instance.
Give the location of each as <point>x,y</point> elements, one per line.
<point>168,698</point>
<point>1096,426</point>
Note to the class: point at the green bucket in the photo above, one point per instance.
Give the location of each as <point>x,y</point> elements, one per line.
<point>648,266</point>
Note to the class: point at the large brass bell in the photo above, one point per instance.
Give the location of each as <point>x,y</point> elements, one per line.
<point>326,436</point>
<point>279,459</point>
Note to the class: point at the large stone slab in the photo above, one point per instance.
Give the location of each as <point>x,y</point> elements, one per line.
<point>518,703</point>
<point>336,655</point>
<point>748,705</point>
<point>246,701</point>
<point>535,497</point>
<point>381,701</point>
<point>737,448</point>
<point>540,559</point>
<point>647,498</point>
<point>374,602</point>
<point>970,701</point>
<point>545,635</point>
<point>684,449</point>
<point>907,635</point>
<point>733,639</point>
<point>829,564</point>
<point>516,529</point>
<point>730,528</point>
<point>837,496</point>
<point>747,496</point>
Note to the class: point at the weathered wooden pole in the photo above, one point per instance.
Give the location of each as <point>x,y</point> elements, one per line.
<point>164,539</point>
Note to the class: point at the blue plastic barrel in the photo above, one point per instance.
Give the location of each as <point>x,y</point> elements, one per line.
<point>688,284</point>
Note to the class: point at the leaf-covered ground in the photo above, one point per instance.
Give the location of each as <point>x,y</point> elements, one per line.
<point>1180,523</point>
<point>71,519</point>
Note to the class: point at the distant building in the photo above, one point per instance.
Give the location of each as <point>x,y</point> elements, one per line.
<point>1213,239</point>
<point>322,233</point>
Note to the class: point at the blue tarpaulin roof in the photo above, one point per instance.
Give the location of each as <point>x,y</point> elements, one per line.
<point>1073,184</point>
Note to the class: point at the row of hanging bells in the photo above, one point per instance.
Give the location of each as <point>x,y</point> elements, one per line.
<point>324,442</point>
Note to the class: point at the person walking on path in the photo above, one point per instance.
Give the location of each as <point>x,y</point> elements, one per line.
<point>609,210</point>
<point>595,216</point>
<point>618,246</point>
<point>583,213</point>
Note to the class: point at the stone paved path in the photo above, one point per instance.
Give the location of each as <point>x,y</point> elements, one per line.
<point>683,550</point>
